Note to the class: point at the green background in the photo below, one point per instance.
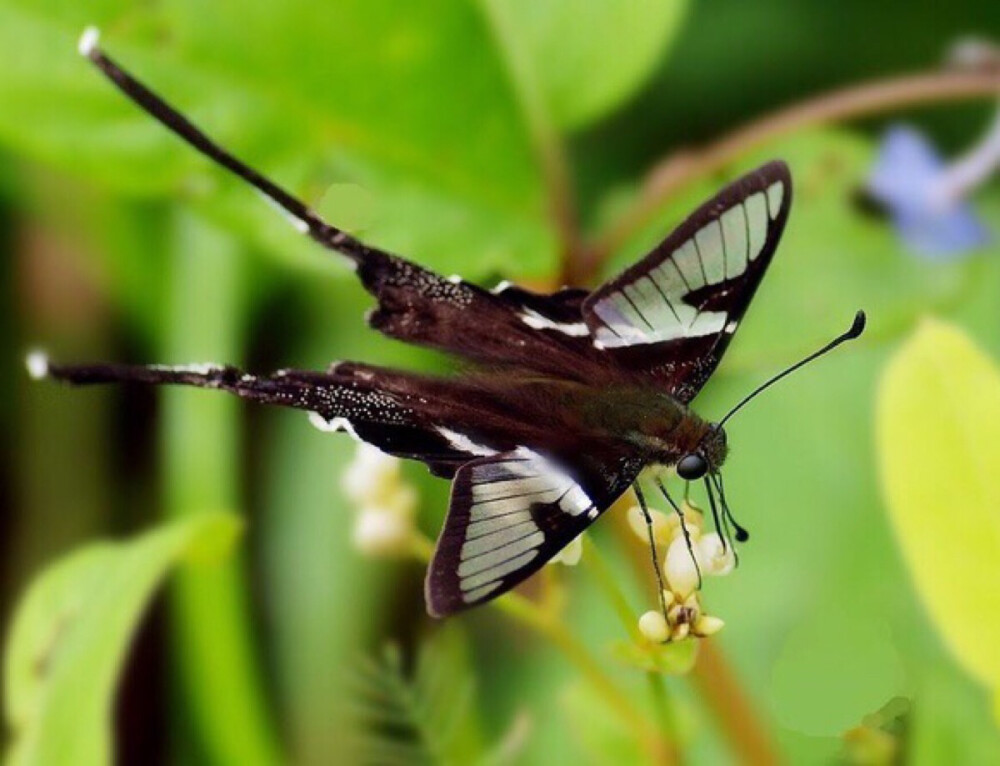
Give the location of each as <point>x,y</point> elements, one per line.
<point>424,127</point>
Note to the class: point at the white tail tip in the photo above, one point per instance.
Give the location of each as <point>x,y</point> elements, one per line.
<point>88,40</point>
<point>37,363</point>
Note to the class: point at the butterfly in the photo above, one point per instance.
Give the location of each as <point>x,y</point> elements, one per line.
<point>572,395</point>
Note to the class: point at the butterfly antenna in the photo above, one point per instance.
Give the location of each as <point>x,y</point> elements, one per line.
<point>724,531</point>
<point>857,327</point>
<point>300,215</point>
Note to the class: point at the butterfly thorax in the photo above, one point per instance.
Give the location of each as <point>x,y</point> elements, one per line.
<point>661,427</point>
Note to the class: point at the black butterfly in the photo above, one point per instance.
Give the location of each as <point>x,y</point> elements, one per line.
<point>575,394</point>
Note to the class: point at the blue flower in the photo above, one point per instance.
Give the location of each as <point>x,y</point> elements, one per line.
<point>926,198</point>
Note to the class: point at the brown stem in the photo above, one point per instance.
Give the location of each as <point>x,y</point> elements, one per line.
<point>545,137</point>
<point>685,166</point>
<point>733,711</point>
<point>716,684</point>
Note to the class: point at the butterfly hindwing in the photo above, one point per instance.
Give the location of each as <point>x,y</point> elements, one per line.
<point>671,316</point>
<point>509,514</point>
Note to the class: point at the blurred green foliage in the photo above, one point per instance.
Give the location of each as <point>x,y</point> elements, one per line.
<point>73,630</point>
<point>423,128</point>
<point>952,551</point>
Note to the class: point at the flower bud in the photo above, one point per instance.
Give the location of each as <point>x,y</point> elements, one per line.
<point>654,627</point>
<point>680,568</point>
<point>715,557</point>
<point>706,625</point>
<point>664,525</point>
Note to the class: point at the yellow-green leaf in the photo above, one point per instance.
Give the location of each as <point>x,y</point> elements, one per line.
<point>577,65</point>
<point>939,448</point>
<point>71,632</point>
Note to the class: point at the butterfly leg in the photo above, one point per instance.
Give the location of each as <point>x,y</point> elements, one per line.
<point>719,522</point>
<point>723,530</point>
<point>741,534</point>
<point>652,547</point>
<point>684,529</point>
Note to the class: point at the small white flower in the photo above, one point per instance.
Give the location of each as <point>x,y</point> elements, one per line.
<point>571,554</point>
<point>37,363</point>
<point>378,532</point>
<point>371,476</point>
<point>715,557</point>
<point>681,568</point>
<point>385,521</point>
<point>654,627</point>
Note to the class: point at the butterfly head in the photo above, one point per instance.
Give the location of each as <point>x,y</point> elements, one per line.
<point>707,457</point>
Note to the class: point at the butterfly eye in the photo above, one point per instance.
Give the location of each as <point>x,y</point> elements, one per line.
<point>691,467</point>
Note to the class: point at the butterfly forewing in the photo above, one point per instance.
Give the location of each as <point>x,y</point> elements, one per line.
<point>671,316</point>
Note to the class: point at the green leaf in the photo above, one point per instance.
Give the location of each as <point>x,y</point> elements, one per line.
<point>939,447</point>
<point>71,632</point>
<point>581,66</point>
<point>410,101</point>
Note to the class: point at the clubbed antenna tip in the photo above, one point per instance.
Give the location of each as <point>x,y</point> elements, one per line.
<point>860,319</point>
<point>37,363</point>
<point>88,41</point>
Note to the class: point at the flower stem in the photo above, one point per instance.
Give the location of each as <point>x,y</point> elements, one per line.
<point>546,139</point>
<point>718,687</point>
<point>681,168</point>
<point>608,584</point>
<point>223,692</point>
<point>548,626</point>
<point>715,683</point>
<point>524,611</point>
<point>662,703</point>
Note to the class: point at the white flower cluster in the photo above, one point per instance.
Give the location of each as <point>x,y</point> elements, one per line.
<point>685,615</point>
<point>386,505</point>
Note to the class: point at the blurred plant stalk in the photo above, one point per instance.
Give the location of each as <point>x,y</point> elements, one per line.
<point>683,167</point>
<point>221,690</point>
<point>712,678</point>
